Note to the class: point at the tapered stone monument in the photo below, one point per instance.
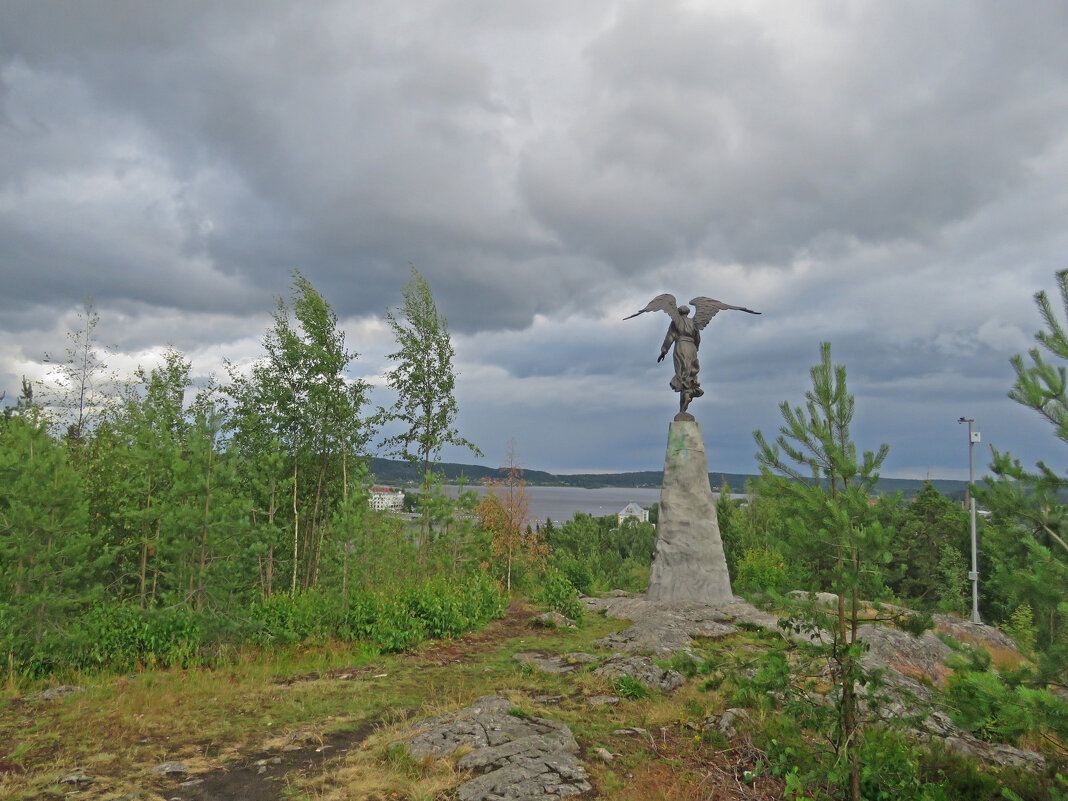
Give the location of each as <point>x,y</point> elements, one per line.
<point>688,564</point>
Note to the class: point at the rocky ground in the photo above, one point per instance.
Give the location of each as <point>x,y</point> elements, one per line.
<point>510,744</point>
<point>911,663</point>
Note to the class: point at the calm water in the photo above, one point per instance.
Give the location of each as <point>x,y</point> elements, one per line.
<point>561,503</point>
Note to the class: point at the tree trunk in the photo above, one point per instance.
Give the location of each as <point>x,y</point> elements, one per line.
<point>271,509</point>
<point>144,543</point>
<point>319,528</point>
<point>296,526</point>
<point>204,534</point>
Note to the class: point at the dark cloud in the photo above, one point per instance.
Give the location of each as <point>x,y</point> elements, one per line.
<point>703,133</point>
<point>887,178</point>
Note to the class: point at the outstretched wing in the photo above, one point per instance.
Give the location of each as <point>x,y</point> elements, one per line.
<point>707,308</point>
<point>665,302</point>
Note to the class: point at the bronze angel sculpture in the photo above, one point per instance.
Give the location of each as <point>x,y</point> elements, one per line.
<point>685,334</point>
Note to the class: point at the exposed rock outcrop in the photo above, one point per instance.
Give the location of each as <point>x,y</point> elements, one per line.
<point>554,663</point>
<point>643,670</point>
<point>666,628</point>
<point>518,758</point>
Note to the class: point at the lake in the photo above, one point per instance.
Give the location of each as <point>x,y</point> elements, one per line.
<point>560,503</point>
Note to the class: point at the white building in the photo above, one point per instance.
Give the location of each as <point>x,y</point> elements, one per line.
<point>633,510</point>
<point>386,499</point>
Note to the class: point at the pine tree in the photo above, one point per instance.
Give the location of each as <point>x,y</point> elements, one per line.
<point>1027,552</point>
<point>813,468</point>
<point>48,565</point>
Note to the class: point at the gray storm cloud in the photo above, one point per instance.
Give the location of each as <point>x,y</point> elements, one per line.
<point>890,178</point>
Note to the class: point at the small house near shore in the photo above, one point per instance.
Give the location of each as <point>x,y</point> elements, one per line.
<point>632,510</point>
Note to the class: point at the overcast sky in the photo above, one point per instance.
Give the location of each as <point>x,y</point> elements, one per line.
<point>889,177</point>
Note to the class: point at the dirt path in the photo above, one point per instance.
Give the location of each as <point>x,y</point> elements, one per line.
<point>262,774</point>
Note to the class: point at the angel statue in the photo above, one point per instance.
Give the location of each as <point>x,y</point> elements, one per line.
<point>685,334</point>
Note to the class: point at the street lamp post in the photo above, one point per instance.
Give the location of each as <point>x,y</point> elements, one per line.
<point>973,576</point>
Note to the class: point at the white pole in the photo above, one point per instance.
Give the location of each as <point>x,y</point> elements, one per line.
<point>973,576</point>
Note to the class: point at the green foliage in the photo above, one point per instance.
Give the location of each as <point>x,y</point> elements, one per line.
<point>1027,541</point>
<point>915,624</point>
<point>166,528</point>
<point>994,708</point>
<point>598,554</point>
<point>576,571</point>
<point>1021,627</point>
<point>122,637</point>
<point>423,378</point>
<point>952,579</point>
<point>929,537</point>
<point>559,594</point>
<point>298,408</point>
<point>764,570</point>
<point>48,565</point>
<point>964,778</point>
<point>813,470</point>
<point>626,686</point>
<point>125,636</point>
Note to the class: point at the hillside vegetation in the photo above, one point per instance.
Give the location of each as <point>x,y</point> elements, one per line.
<point>199,578</point>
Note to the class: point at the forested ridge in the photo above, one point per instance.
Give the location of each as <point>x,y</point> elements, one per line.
<point>401,472</point>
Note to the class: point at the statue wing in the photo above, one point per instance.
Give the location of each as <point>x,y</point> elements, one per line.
<point>665,302</point>
<point>707,308</point>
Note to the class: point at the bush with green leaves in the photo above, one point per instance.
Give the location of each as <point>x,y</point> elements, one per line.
<point>557,593</point>
<point>124,636</point>
<point>290,619</point>
<point>596,553</point>
<point>764,570</point>
<point>964,778</point>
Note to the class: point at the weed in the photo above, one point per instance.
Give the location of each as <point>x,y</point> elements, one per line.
<point>628,687</point>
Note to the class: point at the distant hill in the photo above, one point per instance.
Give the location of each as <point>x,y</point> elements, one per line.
<point>391,471</point>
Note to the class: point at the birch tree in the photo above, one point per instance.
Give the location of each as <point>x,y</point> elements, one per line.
<point>425,382</point>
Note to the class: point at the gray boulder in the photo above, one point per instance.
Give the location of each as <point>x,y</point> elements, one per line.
<point>518,758</point>
<point>554,620</point>
<point>666,628</point>
<point>554,663</point>
<point>643,669</point>
<point>53,692</point>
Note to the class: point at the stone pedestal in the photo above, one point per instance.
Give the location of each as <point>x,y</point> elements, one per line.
<point>688,564</point>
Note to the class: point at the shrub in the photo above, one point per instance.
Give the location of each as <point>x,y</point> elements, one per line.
<point>915,623</point>
<point>1021,627</point>
<point>764,570</point>
<point>983,703</point>
<point>559,594</point>
<point>124,636</point>
<point>577,572</point>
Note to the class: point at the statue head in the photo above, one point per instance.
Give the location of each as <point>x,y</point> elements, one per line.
<point>684,310</point>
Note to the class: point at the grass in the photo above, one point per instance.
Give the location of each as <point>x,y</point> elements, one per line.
<point>350,706</point>
<point>209,719</point>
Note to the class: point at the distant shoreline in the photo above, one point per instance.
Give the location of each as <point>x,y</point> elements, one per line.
<point>392,471</point>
